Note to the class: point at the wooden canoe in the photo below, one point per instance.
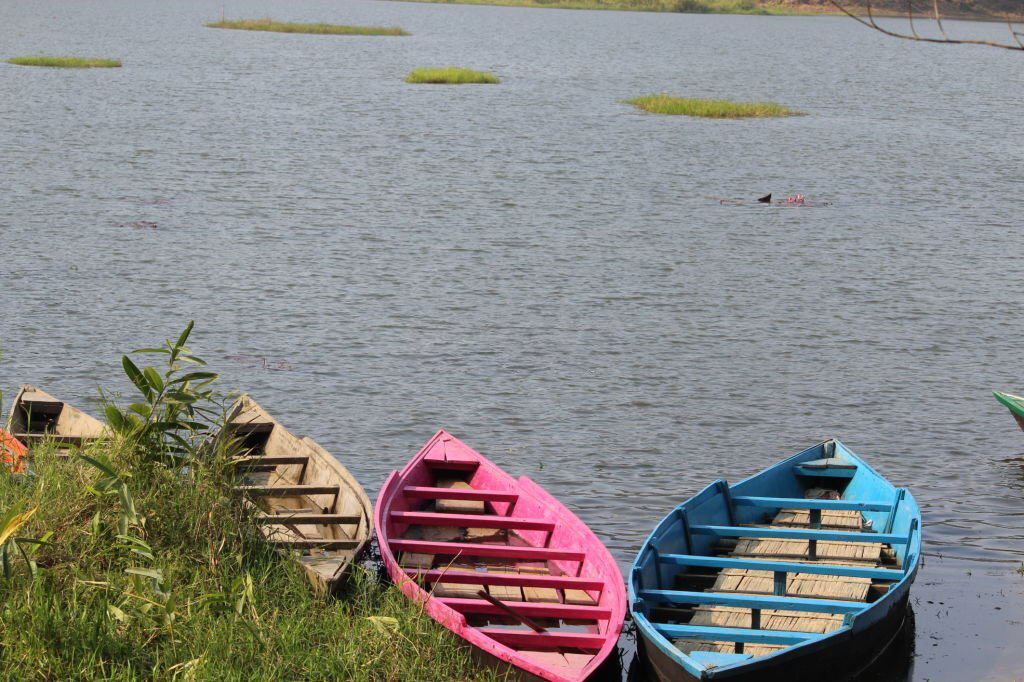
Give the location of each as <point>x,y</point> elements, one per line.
<point>308,504</point>
<point>800,572</point>
<point>1014,403</point>
<point>36,416</point>
<point>452,524</point>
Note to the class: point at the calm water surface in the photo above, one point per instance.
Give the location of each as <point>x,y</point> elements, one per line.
<point>539,268</point>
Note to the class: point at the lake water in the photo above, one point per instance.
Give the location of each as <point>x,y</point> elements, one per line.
<point>539,268</point>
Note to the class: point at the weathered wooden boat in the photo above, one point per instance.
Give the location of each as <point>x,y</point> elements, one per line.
<point>308,504</point>
<point>1014,403</point>
<point>500,562</point>
<point>37,416</point>
<point>800,572</point>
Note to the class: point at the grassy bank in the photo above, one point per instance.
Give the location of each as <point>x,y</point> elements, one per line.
<point>710,108</point>
<point>451,75</point>
<point>688,6</point>
<point>267,24</point>
<point>152,570</point>
<point>66,62</point>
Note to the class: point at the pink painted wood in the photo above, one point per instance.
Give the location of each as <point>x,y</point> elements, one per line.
<point>576,557</point>
<point>471,520</point>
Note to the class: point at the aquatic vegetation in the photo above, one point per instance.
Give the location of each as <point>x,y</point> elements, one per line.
<point>710,108</point>
<point>268,24</point>
<point>66,62</point>
<point>452,75</point>
<point>137,560</point>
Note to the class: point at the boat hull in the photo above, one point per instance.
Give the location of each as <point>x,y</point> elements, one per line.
<point>843,659</point>
<point>543,548</point>
<point>802,571</point>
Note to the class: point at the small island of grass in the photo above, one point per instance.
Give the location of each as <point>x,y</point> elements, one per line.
<point>710,108</point>
<point>268,24</point>
<point>66,62</point>
<point>451,75</point>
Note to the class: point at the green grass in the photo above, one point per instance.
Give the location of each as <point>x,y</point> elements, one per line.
<point>268,24</point>
<point>66,62</point>
<point>452,75</point>
<point>84,618</point>
<point>710,108</point>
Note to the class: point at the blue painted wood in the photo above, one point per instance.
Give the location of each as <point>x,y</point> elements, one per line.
<point>900,492</point>
<point>798,534</point>
<point>723,487</point>
<point>734,634</point>
<point>751,601</point>
<point>801,503</point>
<point>714,659</point>
<point>789,567</point>
<point>828,472</point>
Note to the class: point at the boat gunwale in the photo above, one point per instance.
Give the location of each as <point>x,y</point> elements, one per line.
<point>897,590</point>
<point>456,621</point>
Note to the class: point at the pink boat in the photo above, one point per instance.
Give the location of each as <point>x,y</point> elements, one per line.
<point>500,562</point>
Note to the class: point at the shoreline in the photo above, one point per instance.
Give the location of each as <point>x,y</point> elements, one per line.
<point>726,7</point>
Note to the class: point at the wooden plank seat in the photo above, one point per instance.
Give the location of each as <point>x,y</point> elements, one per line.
<point>471,520</point>
<point>730,634</point>
<point>466,549</point>
<point>467,493</point>
<point>545,640</point>
<point>302,519</point>
<point>287,490</point>
<point>797,534</point>
<point>518,579</point>
<point>812,568</point>
<point>451,465</point>
<point>827,520</point>
<point>753,601</point>
<point>313,543</point>
<point>801,503</point>
<point>268,461</point>
<point>531,610</point>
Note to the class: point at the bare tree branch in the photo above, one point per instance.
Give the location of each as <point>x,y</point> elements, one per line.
<point>870,22</point>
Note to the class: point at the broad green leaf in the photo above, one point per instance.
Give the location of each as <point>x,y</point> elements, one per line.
<point>115,419</point>
<point>184,335</point>
<point>136,377</point>
<point>154,379</point>
<point>102,463</point>
<point>116,613</point>
<point>142,409</point>
<point>194,376</point>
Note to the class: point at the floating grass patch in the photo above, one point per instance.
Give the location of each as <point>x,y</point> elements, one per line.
<point>710,108</point>
<point>67,62</point>
<point>267,24</point>
<point>451,75</point>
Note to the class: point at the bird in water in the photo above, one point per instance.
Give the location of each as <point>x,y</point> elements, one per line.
<point>766,199</point>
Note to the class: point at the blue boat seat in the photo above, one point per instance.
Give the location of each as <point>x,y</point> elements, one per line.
<point>830,467</point>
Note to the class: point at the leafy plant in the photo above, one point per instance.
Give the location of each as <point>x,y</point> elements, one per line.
<point>10,522</point>
<point>166,424</point>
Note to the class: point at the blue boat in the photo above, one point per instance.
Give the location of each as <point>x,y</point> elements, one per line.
<point>800,572</point>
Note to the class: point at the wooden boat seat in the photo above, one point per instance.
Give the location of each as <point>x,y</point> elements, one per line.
<point>457,505</point>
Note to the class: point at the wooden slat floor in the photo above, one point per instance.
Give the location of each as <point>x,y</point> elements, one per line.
<point>742,581</point>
